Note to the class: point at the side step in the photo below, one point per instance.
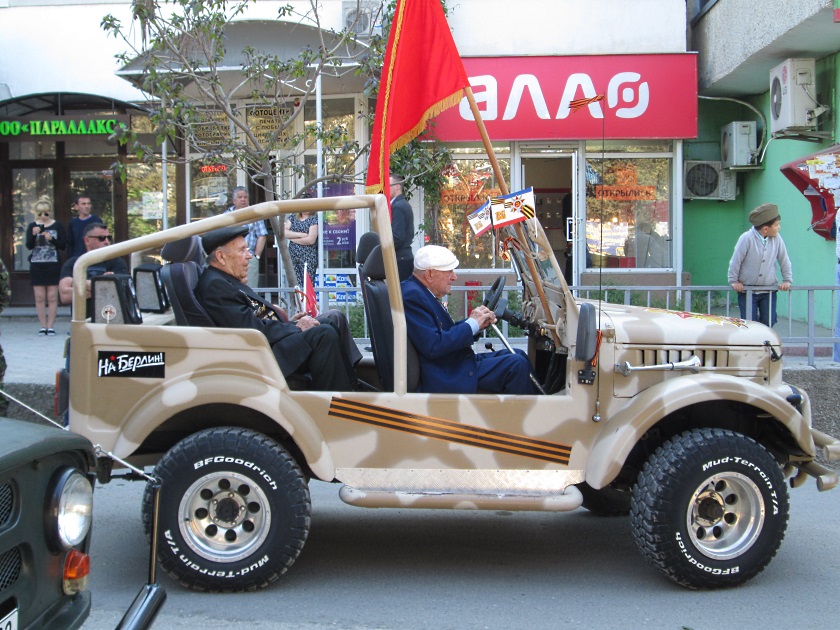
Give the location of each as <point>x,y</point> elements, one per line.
<point>569,499</point>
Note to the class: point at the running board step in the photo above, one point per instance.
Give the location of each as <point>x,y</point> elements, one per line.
<point>569,499</point>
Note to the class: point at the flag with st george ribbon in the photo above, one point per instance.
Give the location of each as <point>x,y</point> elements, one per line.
<point>422,75</point>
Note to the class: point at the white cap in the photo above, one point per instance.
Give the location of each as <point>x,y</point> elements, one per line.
<point>435,257</point>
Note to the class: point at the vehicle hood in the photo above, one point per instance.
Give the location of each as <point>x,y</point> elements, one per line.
<point>641,325</point>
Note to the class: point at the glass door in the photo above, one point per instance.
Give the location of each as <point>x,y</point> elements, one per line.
<point>99,186</point>
<point>28,185</point>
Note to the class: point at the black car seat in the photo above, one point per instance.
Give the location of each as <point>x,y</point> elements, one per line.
<point>378,313</point>
<point>180,276</point>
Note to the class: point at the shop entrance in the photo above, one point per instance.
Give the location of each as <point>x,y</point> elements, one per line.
<point>553,181</point>
<point>59,180</point>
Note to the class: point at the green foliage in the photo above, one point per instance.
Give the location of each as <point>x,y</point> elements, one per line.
<point>183,63</point>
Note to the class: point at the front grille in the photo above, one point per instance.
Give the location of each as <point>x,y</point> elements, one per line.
<point>657,356</point>
<point>10,564</point>
<point>7,503</point>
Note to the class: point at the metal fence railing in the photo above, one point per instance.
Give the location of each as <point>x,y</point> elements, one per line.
<point>806,314</point>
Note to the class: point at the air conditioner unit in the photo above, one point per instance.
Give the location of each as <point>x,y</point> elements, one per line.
<point>793,92</point>
<point>362,17</point>
<point>707,180</point>
<point>738,144</point>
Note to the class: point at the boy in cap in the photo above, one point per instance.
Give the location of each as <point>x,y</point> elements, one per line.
<point>444,347</point>
<point>753,264</point>
<point>299,347</point>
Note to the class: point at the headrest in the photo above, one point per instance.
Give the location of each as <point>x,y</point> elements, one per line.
<point>183,250</point>
<point>367,242</point>
<point>374,267</point>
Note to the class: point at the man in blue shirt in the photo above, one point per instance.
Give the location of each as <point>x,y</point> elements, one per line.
<point>78,224</point>
<point>255,238</point>
<point>448,363</point>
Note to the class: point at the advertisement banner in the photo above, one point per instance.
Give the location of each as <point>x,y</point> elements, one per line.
<point>585,97</point>
<point>339,280</point>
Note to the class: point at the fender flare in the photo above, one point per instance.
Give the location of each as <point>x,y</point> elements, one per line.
<point>621,432</point>
<point>217,387</point>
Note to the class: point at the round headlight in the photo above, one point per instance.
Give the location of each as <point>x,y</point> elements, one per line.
<point>74,508</point>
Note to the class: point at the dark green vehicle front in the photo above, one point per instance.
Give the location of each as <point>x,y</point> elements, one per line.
<point>46,506</point>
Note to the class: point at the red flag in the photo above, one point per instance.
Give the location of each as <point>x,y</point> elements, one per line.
<point>310,299</point>
<point>422,75</point>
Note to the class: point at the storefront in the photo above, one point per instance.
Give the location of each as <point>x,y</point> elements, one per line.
<point>598,137</point>
<point>58,146</point>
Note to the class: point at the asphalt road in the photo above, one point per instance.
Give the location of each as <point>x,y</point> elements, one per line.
<point>418,569</point>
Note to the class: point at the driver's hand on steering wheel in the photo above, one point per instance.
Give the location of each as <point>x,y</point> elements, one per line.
<point>484,316</point>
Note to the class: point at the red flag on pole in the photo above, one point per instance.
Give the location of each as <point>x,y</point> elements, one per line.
<point>311,300</point>
<point>422,75</point>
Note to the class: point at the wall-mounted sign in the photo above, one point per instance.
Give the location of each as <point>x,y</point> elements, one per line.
<point>265,120</point>
<point>60,126</point>
<point>610,96</point>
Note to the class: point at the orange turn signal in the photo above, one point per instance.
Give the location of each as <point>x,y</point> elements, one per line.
<point>76,570</point>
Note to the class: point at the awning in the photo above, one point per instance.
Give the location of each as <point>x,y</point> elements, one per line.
<point>286,40</point>
<point>817,176</point>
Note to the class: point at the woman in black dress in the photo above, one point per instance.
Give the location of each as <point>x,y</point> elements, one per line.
<point>46,238</point>
<point>302,232</point>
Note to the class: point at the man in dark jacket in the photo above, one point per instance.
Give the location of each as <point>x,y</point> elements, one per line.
<point>445,347</point>
<point>402,225</point>
<point>303,346</point>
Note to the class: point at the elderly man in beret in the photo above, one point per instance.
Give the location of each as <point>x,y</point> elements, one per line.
<point>753,265</point>
<point>448,363</point>
<point>300,347</point>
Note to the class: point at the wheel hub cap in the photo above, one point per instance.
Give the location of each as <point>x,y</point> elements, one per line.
<point>224,516</point>
<point>725,515</point>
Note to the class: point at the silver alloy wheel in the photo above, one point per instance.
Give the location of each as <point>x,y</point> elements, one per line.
<point>224,516</point>
<point>725,515</point>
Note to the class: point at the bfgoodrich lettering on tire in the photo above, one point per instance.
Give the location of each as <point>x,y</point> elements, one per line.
<point>234,511</point>
<point>710,508</point>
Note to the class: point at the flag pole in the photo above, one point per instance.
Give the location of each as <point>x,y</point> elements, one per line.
<point>520,234</point>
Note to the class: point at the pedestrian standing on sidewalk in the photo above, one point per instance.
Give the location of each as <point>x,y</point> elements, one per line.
<point>46,238</point>
<point>5,298</point>
<point>77,225</point>
<point>753,265</point>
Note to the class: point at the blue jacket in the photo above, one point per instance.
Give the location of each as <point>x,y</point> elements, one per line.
<point>444,347</point>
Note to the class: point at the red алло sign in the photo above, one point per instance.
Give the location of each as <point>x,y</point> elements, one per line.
<point>532,98</point>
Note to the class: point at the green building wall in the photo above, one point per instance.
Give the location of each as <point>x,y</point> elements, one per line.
<point>711,228</point>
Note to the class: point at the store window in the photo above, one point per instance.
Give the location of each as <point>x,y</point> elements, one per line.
<point>145,199</point>
<point>469,183</point>
<point>628,207</point>
<point>210,186</point>
<point>338,117</point>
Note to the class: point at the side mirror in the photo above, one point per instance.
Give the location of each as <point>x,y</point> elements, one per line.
<point>587,333</point>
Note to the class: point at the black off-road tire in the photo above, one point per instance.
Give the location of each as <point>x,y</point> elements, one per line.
<point>234,511</point>
<point>710,508</point>
<point>605,502</point>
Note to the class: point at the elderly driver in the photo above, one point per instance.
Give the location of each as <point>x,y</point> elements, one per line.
<point>448,363</point>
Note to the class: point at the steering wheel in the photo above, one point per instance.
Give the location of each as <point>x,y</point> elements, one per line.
<point>492,298</point>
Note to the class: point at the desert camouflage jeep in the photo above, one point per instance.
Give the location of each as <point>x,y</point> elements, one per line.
<point>678,419</point>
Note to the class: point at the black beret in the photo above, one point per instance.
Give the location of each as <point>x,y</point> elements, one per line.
<point>216,238</point>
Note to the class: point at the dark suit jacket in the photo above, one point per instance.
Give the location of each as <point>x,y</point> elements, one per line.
<point>444,347</point>
<point>232,304</point>
<point>402,225</point>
